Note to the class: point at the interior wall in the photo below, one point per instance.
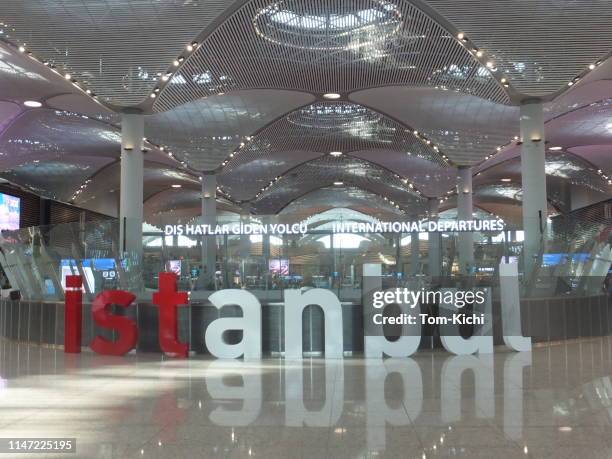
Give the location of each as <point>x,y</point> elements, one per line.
<point>37,211</point>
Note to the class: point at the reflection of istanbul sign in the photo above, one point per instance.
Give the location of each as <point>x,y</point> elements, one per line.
<point>423,226</point>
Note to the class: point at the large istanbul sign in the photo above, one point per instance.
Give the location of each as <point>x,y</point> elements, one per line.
<point>421,226</point>
<point>168,299</point>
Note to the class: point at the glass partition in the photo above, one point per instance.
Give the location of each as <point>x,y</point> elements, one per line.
<point>575,258</point>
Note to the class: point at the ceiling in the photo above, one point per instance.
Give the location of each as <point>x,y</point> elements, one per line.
<point>238,88</point>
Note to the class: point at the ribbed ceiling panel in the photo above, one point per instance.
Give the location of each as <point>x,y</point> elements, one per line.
<point>328,46</point>
<point>467,128</point>
<point>315,130</point>
<point>334,126</point>
<point>116,46</point>
<point>204,132</point>
<point>53,135</point>
<point>329,170</point>
<point>340,197</point>
<point>540,44</point>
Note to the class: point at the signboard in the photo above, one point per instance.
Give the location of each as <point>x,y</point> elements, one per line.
<point>421,226</point>
<point>169,299</point>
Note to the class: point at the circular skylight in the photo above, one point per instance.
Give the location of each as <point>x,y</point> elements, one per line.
<point>341,25</point>
<point>333,116</point>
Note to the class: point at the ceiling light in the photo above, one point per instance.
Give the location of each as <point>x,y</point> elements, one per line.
<point>152,96</point>
<point>189,48</point>
<point>176,63</point>
<point>506,180</point>
<point>32,104</point>
<point>592,67</point>
<point>460,35</point>
<point>479,53</point>
<point>22,49</point>
<point>490,65</point>
<point>556,148</point>
<point>331,95</point>
<point>336,153</point>
<point>68,76</point>
<point>338,183</point>
<point>176,185</point>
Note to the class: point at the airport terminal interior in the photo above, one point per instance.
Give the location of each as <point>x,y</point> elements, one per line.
<point>210,211</point>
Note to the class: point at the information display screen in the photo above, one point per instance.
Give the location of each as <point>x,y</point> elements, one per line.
<point>279,267</point>
<point>10,210</point>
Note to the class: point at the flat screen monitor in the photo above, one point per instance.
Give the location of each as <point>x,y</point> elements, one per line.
<point>174,266</point>
<point>279,267</point>
<point>10,210</point>
<point>554,259</point>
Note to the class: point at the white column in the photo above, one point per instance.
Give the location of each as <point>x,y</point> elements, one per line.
<point>533,172</point>
<point>244,244</point>
<point>132,177</point>
<point>414,253</point>
<point>209,217</point>
<point>465,208</point>
<point>434,249</point>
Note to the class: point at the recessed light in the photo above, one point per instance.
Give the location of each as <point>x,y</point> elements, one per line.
<point>556,148</point>
<point>336,153</point>
<point>176,185</point>
<point>32,104</point>
<point>338,183</point>
<point>460,35</point>
<point>331,95</point>
<point>592,67</point>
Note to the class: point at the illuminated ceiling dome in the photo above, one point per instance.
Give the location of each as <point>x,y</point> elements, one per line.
<point>328,25</point>
<point>327,115</point>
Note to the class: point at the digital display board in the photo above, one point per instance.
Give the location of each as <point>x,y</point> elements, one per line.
<point>279,267</point>
<point>10,210</point>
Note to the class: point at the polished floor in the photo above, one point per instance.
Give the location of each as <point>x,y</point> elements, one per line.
<point>553,402</point>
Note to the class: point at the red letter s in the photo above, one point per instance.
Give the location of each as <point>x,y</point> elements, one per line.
<point>126,328</point>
